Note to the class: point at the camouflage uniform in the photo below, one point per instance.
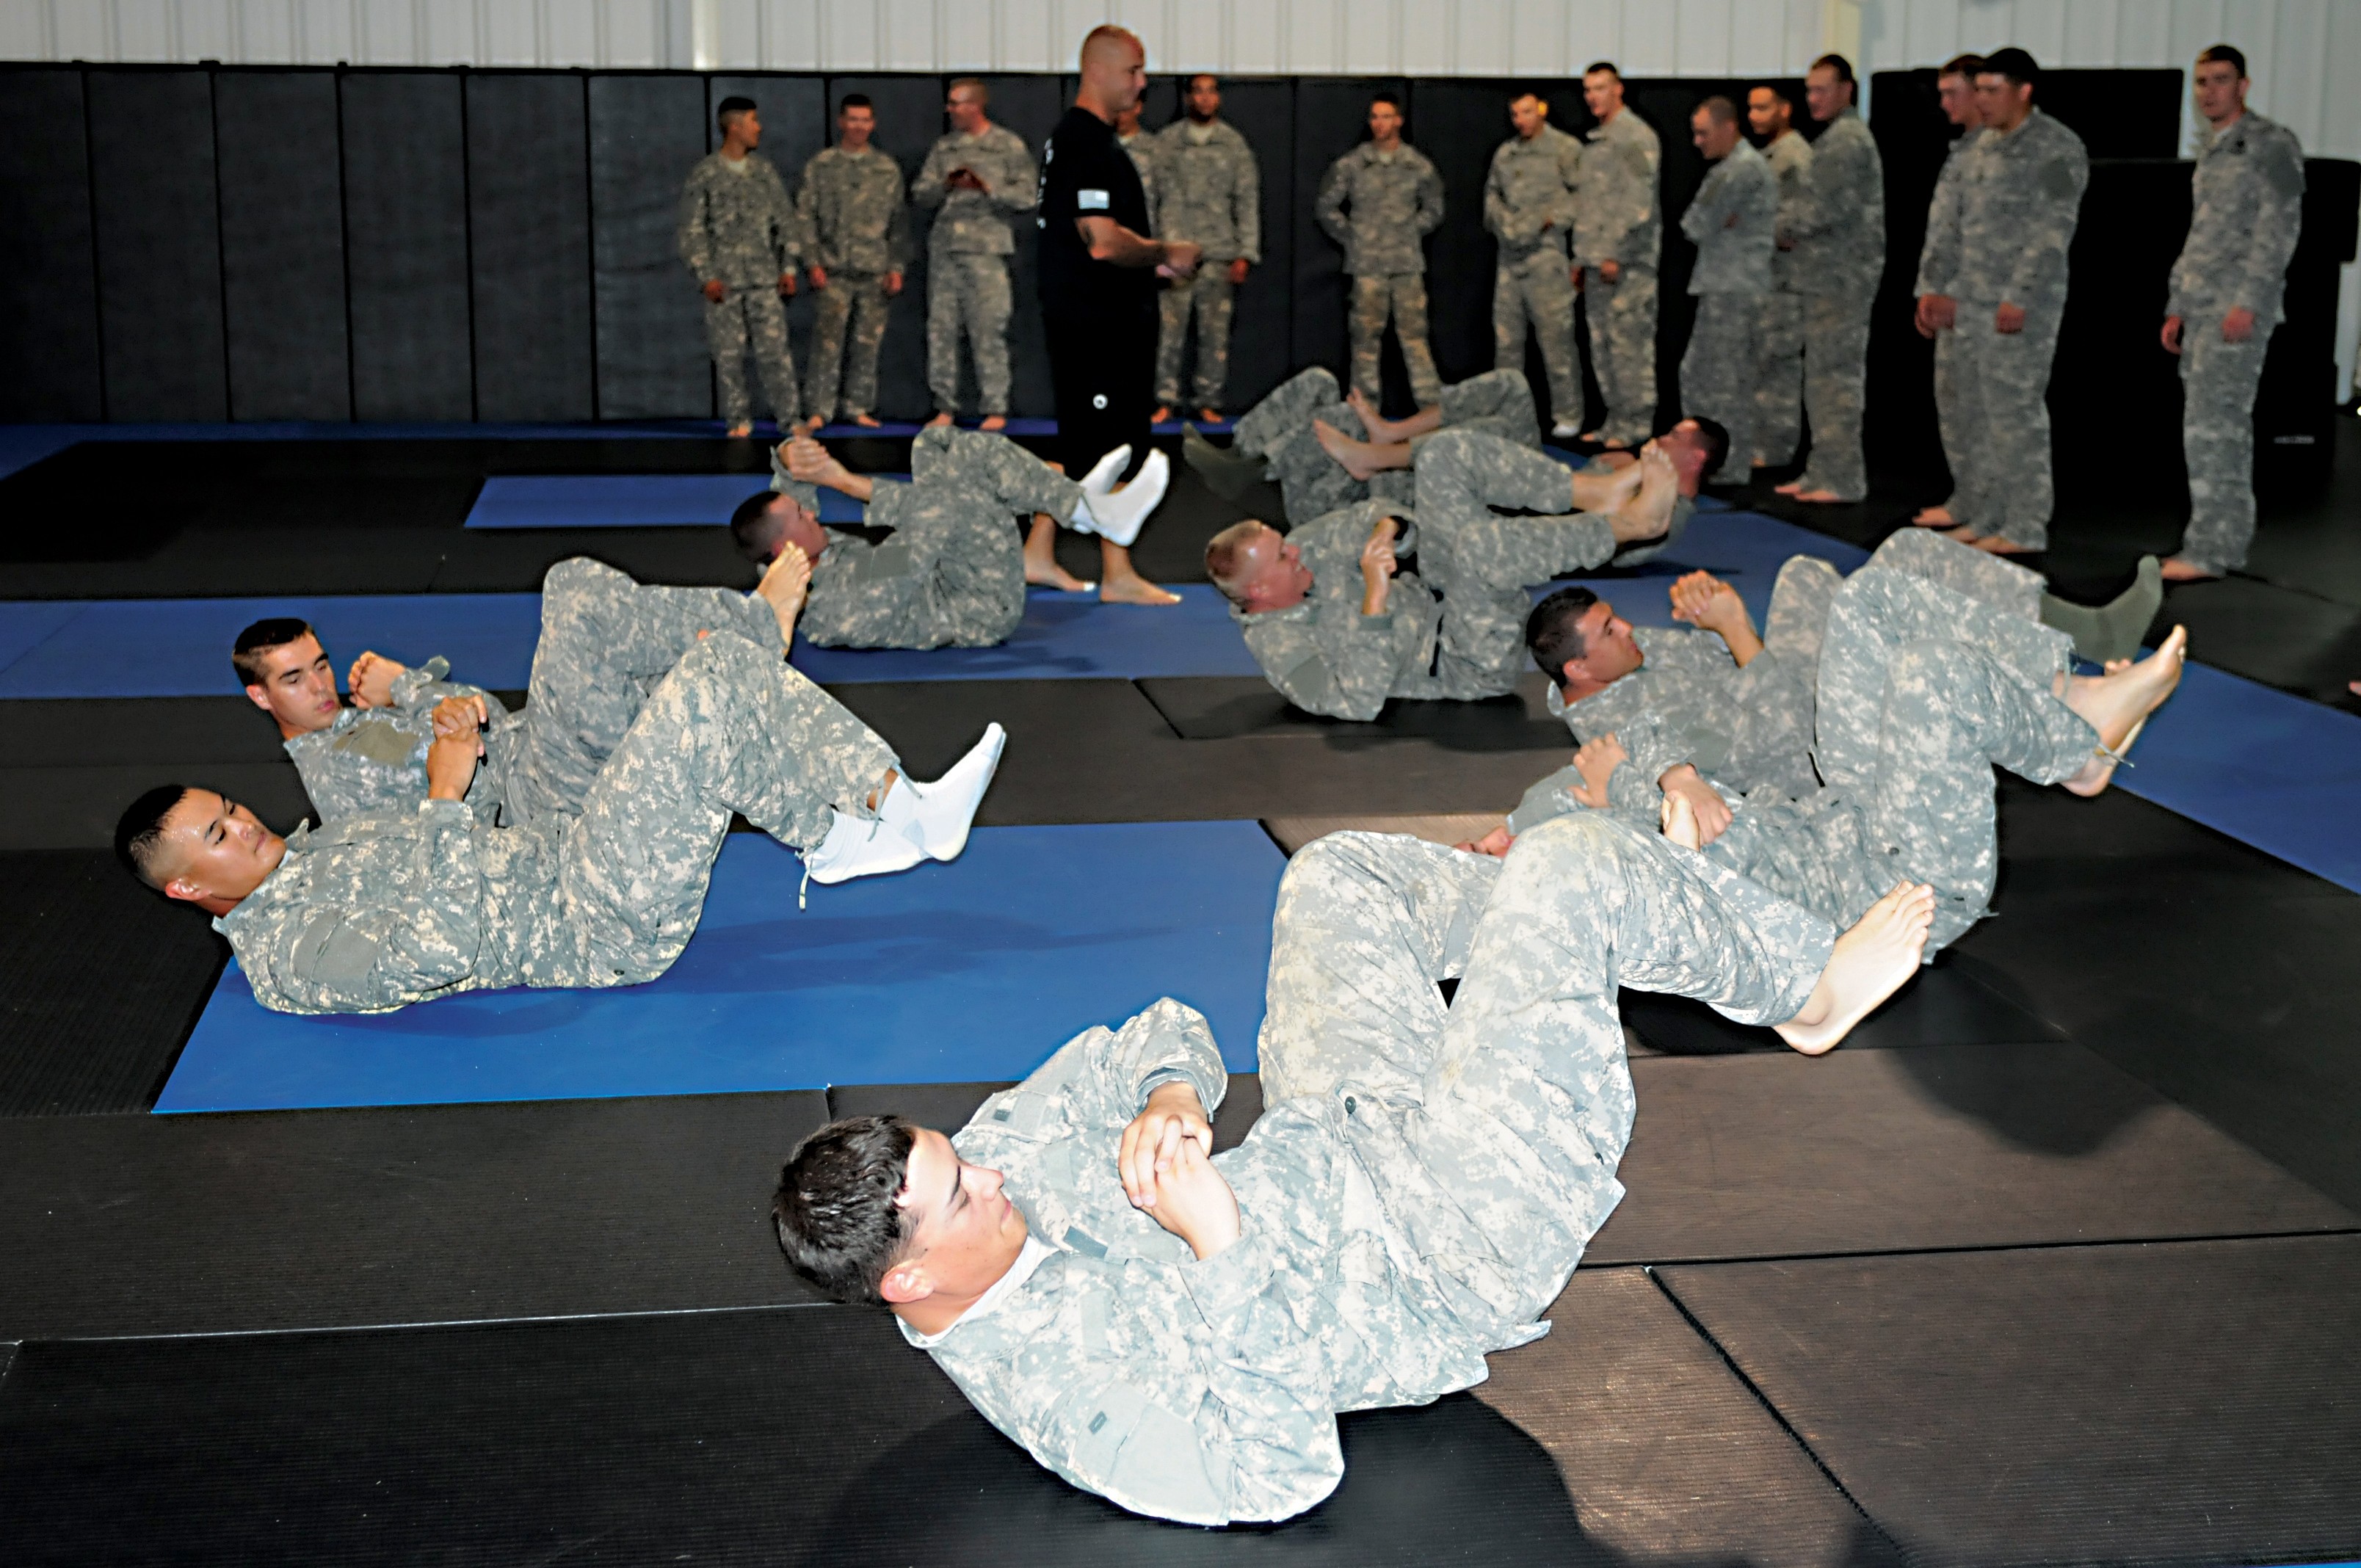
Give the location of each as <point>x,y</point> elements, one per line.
<point>851,204</point>
<point>737,225</point>
<point>968,249</point>
<point>1209,191</point>
<point>2020,197</point>
<point>605,642</point>
<point>1528,209</point>
<point>1779,386</point>
<point>1838,261</point>
<point>2248,211</point>
<point>1457,635</point>
<point>1379,206</point>
<point>1278,430</point>
<point>1141,149</point>
<point>952,573</point>
<point>1417,1191</point>
<point>1938,272</point>
<point>405,905</point>
<point>1616,218</point>
<point>1731,222</point>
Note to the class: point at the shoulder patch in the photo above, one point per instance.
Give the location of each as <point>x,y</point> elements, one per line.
<point>1091,201</point>
<point>377,741</point>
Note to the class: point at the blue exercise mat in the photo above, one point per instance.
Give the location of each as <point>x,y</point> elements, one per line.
<point>947,973</point>
<point>1745,548</point>
<point>632,500</point>
<point>1064,636</point>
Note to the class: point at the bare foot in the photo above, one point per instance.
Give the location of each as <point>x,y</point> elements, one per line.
<point>1869,963</point>
<point>1590,435</point>
<point>740,431</point>
<point>782,587</point>
<point>1209,416</point>
<point>866,422</point>
<point>1649,511</point>
<point>938,421</point>
<point>1792,488</point>
<point>1375,425</point>
<point>2118,703</point>
<point>993,422</point>
<point>1349,455</point>
<point>1819,497</point>
<point>1680,824</point>
<point>1933,517</point>
<point>1135,590</point>
<point>1993,543</point>
<point>1041,568</point>
<point>1163,413</point>
<point>814,464</point>
<point>2180,569</point>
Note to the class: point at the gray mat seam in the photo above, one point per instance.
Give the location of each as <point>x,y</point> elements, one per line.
<point>322,1330</point>
<point>1709,1260</point>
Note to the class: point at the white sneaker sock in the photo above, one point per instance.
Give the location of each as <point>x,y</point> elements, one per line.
<point>935,818</point>
<point>1120,513</point>
<point>861,845</point>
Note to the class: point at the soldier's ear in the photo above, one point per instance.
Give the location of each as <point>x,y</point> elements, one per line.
<point>904,1284</point>
<point>259,697</point>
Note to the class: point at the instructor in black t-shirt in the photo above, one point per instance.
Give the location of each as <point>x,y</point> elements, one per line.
<point>1098,275</point>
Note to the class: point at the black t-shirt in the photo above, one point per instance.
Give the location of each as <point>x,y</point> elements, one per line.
<point>1085,173</point>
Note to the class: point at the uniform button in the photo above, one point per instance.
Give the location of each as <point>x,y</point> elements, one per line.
<point>1351,1105</point>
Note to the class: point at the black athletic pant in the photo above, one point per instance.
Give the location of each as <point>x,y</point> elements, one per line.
<point>1102,367</point>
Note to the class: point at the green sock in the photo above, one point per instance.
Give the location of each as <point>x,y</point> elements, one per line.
<point>2113,631</point>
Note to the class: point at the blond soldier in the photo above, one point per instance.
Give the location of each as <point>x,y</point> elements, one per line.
<point>976,176</point>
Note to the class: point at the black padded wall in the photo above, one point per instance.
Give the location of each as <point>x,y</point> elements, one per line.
<point>48,288</point>
<point>406,240</point>
<point>1331,118</point>
<point>528,245</point>
<point>794,127</point>
<point>282,244</point>
<point>1031,106</point>
<point>158,240</point>
<point>909,112</point>
<point>647,131</point>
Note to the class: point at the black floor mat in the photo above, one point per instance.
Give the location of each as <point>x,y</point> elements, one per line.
<point>947,1107</point>
<point>1954,1001</point>
<point>1230,708</point>
<point>406,1214</point>
<point>2185,1403</point>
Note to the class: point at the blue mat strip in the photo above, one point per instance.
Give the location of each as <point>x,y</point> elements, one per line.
<point>947,973</point>
<point>632,500</point>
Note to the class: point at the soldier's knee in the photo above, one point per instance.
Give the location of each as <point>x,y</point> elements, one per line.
<point>580,574</point>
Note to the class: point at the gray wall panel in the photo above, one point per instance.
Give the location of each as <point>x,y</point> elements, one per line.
<point>794,126</point>
<point>909,119</point>
<point>406,231</point>
<point>646,134</point>
<point>49,289</point>
<point>528,225</point>
<point>282,244</point>
<point>158,236</point>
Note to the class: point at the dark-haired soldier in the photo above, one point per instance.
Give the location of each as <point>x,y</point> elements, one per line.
<point>1528,208</point>
<point>739,236</point>
<point>1779,387</point>
<point>1618,228</point>
<point>1936,312</point>
<point>1379,201</point>
<point>851,204</point>
<point>1840,259</point>
<point>1732,221</point>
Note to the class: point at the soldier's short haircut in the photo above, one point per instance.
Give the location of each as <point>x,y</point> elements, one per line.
<point>729,109</point>
<point>851,101</point>
<point>2235,58</point>
<point>753,528</point>
<point>139,833</point>
<point>1840,65</point>
<point>1719,110</point>
<point>1554,632</point>
<point>835,1211</point>
<point>1225,555</point>
<point>983,93</point>
<point>1717,442</point>
<point>1596,66</point>
<point>1386,96</point>
<point>1188,82</point>
<point>270,632</point>
<point>1965,65</point>
<point>2013,63</point>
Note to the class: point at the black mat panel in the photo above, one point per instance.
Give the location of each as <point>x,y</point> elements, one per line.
<point>74,808</point>
<point>1944,1146</point>
<point>1228,708</point>
<point>487,561</point>
<point>1332,117</point>
<point>1668,1455</point>
<point>48,291</point>
<point>158,236</point>
<point>406,219</point>
<point>909,112</point>
<point>947,1107</point>
<point>282,237</point>
<point>102,982</point>
<point>436,1214</point>
<point>646,134</point>
<point>2193,1403</point>
<point>1954,1002</point>
<point>529,245</point>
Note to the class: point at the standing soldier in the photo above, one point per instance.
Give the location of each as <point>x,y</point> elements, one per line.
<point>978,173</point>
<point>1211,192</point>
<point>1779,386</point>
<point>1618,229</point>
<point>1939,268</point>
<point>851,204</point>
<point>2227,287</point>
<point>2021,193</point>
<point>1731,221</point>
<point>739,236</point>
<point>1140,148</point>
<point>1528,208</point>
<point>1841,259</point>
<point>1379,201</point>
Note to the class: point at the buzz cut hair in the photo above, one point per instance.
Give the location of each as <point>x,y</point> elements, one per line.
<point>1596,66</point>
<point>983,93</point>
<point>852,101</point>
<point>2013,63</point>
<point>139,833</point>
<point>729,109</point>
<point>1386,96</point>
<point>265,636</point>
<point>753,529</point>
<point>1840,65</point>
<point>1225,554</point>
<point>2225,54</point>
<point>1965,65</point>
<point>1719,110</point>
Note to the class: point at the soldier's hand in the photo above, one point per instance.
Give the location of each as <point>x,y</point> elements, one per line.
<point>460,719</point>
<point>1574,277</point>
<point>1238,271</point>
<point>1596,759</point>
<point>892,283</point>
<point>1190,1200</point>
<point>1704,601</point>
<point>370,680</point>
<point>818,275</point>
<point>1377,559</point>
<point>1712,812</point>
<point>2238,325</point>
<point>1182,256</point>
<point>786,284</point>
<point>1611,272</point>
<point>715,289</point>
<point>1496,843</point>
<point>2009,320</point>
<point>1173,1110</point>
<point>2171,333</point>
<point>451,765</point>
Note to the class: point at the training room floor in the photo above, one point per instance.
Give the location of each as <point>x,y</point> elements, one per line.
<point>2055,1261</point>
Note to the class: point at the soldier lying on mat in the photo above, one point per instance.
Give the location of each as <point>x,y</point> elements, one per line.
<point>1922,690</point>
<point>953,572</point>
<point>415,902</point>
<point>1339,628</point>
<point>1178,1332</point>
<point>605,644</point>
<point>1739,705</point>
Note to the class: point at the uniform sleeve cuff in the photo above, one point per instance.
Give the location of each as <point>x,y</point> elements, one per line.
<point>1224,1284</point>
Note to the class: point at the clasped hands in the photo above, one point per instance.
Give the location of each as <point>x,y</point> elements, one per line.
<point>1165,1161</point>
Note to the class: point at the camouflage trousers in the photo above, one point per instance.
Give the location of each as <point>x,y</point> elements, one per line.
<point>1491,1129</point>
<point>732,728</point>
<point>1206,298</point>
<point>968,296</point>
<point>2217,437</point>
<point>1951,420</point>
<point>1279,430</point>
<point>1779,379</point>
<point>2005,486</point>
<point>605,641</point>
<point>1482,562</point>
<point>848,327</point>
<point>1400,298</point>
<point>1539,290</point>
<point>1836,367</point>
<point>1622,318</point>
<point>1718,376</point>
<point>751,319</point>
